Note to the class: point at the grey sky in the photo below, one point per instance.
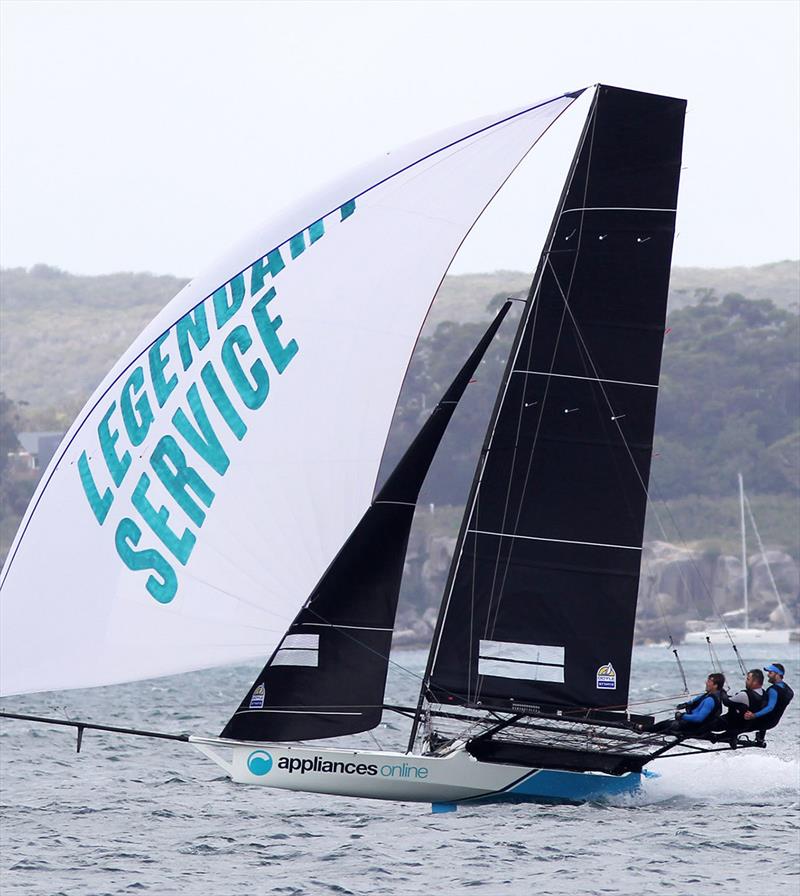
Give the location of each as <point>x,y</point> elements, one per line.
<point>150,136</point>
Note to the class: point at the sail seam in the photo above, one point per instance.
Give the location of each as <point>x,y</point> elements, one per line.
<point>594,544</point>
<point>591,379</point>
<point>301,712</point>
<point>616,208</point>
<point>363,628</point>
<point>505,659</point>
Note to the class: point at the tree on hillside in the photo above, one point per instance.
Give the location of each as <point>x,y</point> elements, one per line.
<point>9,423</point>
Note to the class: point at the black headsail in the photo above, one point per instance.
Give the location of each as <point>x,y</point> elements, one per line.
<point>540,604</point>
<point>328,675</point>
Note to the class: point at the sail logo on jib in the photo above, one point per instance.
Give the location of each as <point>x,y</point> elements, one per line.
<point>607,678</point>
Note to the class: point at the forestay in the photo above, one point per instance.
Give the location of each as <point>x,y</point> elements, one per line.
<point>225,459</point>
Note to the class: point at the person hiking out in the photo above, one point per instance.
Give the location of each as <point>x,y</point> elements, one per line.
<point>697,716</point>
<point>750,699</point>
<point>778,696</point>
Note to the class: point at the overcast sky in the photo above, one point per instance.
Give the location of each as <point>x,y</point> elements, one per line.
<point>151,135</point>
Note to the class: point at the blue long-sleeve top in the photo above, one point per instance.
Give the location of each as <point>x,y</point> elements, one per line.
<point>699,709</point>
<point>772,699</point>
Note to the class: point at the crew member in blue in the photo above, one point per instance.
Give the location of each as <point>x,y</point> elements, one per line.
<point>696,717</point>
<point>779,696</point>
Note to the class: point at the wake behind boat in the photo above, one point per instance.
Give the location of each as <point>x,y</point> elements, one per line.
<point>223,482</point>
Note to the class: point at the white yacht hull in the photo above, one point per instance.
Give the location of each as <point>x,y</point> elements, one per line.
<point>449,779</point>
<point>744,636</point>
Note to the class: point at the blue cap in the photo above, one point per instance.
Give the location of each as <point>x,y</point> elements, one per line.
<point>775,667</point>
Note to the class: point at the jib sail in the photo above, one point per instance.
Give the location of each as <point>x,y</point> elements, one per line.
<point>328,674</point>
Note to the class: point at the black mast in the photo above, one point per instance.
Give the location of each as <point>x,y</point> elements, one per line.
<point>521,327</point>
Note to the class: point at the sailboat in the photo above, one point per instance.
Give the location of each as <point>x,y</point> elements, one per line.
<point>750,634</point>
<point>217,498</point>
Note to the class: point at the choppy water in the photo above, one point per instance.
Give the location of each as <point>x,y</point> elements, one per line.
<point>130,815</point>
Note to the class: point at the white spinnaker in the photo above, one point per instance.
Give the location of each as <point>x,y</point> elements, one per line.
<point>258,515</point>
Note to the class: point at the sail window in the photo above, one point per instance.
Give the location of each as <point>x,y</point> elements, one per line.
<point>531,662</point>
<point>297,650</point>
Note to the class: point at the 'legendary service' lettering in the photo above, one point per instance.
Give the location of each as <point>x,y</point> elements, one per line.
<point>190,458</point>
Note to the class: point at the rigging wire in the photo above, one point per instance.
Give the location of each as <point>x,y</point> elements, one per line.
<point>715,663</point>
<point>648,499</point>
<point>588,130</point>
<point>445,604</point>
<point>543,401</point>
<point>693,563</point>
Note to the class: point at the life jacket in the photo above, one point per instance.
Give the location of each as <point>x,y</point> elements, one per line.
<point>785,696</point>
<point>755,701</point>
<point>709,720</point>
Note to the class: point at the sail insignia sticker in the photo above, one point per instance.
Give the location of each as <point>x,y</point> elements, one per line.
<point>607,678</point>
<point>257,697</point>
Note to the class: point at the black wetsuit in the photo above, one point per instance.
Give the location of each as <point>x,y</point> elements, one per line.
<point>778,697</point>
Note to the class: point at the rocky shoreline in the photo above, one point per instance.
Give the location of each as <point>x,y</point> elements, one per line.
<point>682,589</point>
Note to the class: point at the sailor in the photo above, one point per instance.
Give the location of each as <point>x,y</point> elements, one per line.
<point>778,696</point>
<point>697,716</point>
<point>751,699</point>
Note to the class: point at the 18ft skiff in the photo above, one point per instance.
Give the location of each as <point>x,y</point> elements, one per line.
<point>221,482</point>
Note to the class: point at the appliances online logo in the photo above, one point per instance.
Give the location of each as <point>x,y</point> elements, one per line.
<point>260,762</point>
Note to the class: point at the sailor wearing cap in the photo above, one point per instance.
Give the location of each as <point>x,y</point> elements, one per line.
<point>779,696</point>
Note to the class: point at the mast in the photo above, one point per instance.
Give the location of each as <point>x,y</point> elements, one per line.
<point>786,618</point>
<point>744,554</point>
<point>473,494</point>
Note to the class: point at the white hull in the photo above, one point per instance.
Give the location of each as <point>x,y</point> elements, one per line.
<point>452,778</point>
<point>745,636</point>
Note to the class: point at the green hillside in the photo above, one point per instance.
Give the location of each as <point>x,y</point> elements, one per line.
<point>728,399</point>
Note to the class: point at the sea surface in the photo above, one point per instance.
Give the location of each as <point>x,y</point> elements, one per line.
<point>130,815</point>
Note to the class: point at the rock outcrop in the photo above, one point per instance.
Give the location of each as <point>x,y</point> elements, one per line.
<point>681,588</point>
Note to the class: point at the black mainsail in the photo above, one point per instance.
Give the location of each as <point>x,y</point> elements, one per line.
<point>540,603</point>
<point>328,675</point>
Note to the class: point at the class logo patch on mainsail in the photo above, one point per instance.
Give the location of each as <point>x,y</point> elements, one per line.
<point>607,677</point>
<point>257,697</point>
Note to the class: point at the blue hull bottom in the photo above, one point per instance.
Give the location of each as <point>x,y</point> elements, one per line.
<point>549,786</point>
<point>573,787</point>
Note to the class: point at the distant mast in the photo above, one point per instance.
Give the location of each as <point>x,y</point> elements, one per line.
<point>744,554</point>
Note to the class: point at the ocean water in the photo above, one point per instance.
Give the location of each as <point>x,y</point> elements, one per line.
<point>131,815</point>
